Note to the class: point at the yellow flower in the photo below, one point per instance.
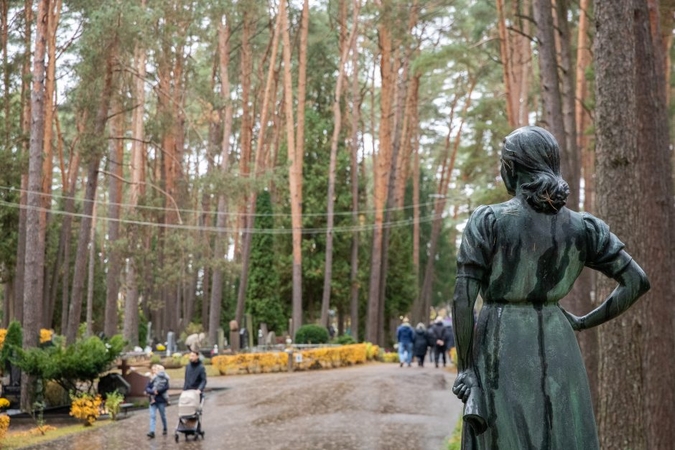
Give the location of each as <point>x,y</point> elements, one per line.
<point>45,335</point>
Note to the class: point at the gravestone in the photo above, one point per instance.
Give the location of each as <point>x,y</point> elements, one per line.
<point>234,336</point>
<point>243,338</point>
<point>12,390</point>
<point>113,382</point>
<point>170,343</point>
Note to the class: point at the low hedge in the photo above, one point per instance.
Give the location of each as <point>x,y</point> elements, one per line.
<point>312,359</point>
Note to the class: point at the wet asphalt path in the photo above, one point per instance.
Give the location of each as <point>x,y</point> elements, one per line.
<point>369,407</point>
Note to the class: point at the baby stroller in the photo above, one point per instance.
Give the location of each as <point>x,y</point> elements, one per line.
<point>190,406</point>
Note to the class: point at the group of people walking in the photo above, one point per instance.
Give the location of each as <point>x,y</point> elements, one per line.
<point>438,339</point>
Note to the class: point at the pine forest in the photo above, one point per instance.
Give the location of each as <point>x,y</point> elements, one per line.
<point>190,163</point>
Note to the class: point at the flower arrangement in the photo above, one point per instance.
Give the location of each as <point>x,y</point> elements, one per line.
<point>372,351</point>
<point>86,407</point>
<point>390,357</point>
<point>318,358</point>
<point>4,425</point>
<point>3,334</point>
<point>45,335</point>
<point>4,403</point>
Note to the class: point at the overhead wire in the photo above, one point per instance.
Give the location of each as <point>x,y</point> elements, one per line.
<point>212,213</point>
<point>208,228</point>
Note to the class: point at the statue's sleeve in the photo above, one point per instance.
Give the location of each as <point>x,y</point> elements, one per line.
<point>604,250</point>
<point>476,250</point>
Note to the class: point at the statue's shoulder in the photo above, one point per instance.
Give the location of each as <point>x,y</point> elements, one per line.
<point>508,208</point>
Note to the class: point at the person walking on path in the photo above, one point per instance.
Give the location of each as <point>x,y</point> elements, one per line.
<point>405,336</point>
<point>421,343</point>
<point>156,389</point>
<point>195,374</point>
<point>439,338</point>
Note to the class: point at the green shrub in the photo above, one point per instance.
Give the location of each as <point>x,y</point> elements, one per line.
<point>74,367</point>
<point>112,403</point>
<point>13,342</point>
<point>345,339</point>
<point>311,334</point>
<point>155,359</point>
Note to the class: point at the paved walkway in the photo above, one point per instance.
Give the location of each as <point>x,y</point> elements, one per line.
<point>370,407</point>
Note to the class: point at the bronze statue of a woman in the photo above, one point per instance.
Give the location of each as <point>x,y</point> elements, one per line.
<point>521,375</point>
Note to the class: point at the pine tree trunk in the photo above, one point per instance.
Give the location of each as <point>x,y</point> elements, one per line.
<point>116,165</point>
<point>4,22</point>
<point>337,125</point>
<point>381,165</point>
<point>295,173</point>
<point>655,236</point>
<point>35,241</point>
<point>504,50</point>
<point>90,277</point>
<point>220,250</point>
<point>258,165</point>
<point>355,115</point>
<point>131,307</point>
<point>25,129</point>
<point>246,129</point>
<point>634,196</point>
<point>79,275</point>
<point>548,67</point>
<point>568,98</point>
<point>48,163</point>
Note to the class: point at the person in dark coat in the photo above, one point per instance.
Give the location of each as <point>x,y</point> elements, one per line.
<point>156,389</point>
<point>420,344</point>
<point>195,374</point>
<point>405,335</point>
<point>439,338</point>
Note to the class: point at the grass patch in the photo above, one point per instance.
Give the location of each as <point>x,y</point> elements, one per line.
<point>22,439</point>
<point>455,441</point>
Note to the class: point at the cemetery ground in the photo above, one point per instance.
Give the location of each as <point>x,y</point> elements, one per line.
<point>374,406</point>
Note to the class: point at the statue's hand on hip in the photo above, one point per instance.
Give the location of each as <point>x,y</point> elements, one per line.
<point>466,380</point>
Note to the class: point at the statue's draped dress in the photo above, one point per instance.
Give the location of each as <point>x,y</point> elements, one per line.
<point>525,352</point>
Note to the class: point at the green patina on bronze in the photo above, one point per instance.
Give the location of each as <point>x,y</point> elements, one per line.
<point>521,373</point>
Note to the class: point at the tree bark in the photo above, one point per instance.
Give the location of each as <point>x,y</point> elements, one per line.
<point>48,163</point>
<point>131,307</point>
<point>116,165</point>
<point>25,129</point>
<point>4,13</point>
<point>382,166</point>
<point>548,67</point>
<point>246,129</point>
<point>35,240</point>
<point>258,165</point>
<point>90,277</point>
<point>337,124</point>
<point>568,99</point>
<point>220,250</point>
<point>295,173</point>
<point>634,196</point>
<point>94,155</point>
<point>355,116</point>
